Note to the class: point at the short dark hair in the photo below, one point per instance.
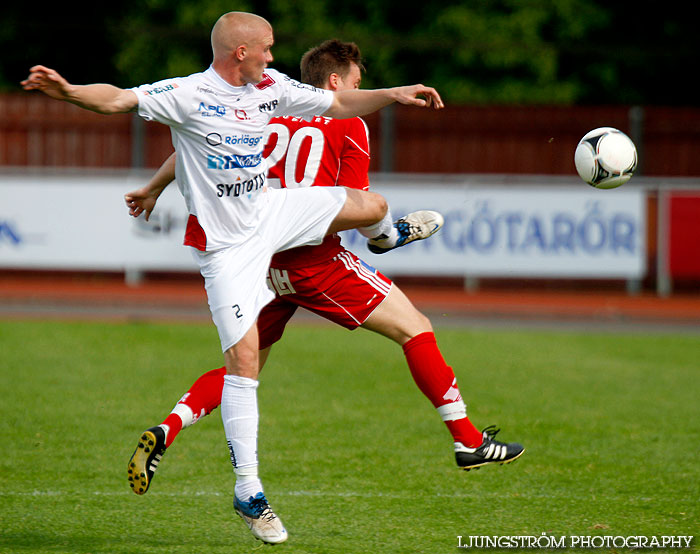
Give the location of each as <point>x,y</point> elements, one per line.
<point>331,56</point>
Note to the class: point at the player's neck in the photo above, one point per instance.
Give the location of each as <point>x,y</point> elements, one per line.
<point>229,73</point>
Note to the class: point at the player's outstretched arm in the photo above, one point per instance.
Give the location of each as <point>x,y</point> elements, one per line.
<point>144,199</point>
<point>100,97</point>
<point>350,103</point>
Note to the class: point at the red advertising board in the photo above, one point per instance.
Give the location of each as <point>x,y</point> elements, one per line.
<point>684,235</point>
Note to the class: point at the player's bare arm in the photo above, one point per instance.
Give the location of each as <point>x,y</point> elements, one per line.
<point>143,200</point>
<point>351,103</point>
<point>100,97</point>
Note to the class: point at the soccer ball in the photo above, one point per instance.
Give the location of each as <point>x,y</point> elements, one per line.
<point>605,158</point>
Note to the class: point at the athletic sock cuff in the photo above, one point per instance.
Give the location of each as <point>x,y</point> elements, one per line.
<point>242,382</point>
<point>249,471</point>
<point>453,411</point>
<point>419,340</point>
<point>185,413</point>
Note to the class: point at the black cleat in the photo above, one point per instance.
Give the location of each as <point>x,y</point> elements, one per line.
<point>145,459</point>
<point>489,452</point>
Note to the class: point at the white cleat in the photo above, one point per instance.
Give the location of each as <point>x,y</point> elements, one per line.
<point>260,519</point>
<point>415,226</point>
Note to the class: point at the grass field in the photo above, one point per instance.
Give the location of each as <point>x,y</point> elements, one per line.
<point>354,459</point>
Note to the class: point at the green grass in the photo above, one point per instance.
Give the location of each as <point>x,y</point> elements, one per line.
<point>353,457</point>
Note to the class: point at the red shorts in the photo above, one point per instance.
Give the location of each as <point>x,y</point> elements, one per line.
<point>343,289</point>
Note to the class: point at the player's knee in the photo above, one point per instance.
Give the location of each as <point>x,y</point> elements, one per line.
<point>417,324</point>
<point>423,323</point>
<point>361,209</point>
<point>378,206</point>
<point>242,361</point>
<point>399,326</point>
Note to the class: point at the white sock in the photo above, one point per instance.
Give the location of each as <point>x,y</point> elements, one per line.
<point>239,412</point>
<point>383,230</point>
<point>453,411</point>
<point>247,482</point>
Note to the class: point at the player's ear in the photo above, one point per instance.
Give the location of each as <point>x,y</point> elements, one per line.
<point>240,53</point>
<point>333,81</point>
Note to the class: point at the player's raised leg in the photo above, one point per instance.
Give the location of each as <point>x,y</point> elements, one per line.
<point>360,209</point>
<point>201,399</point>
<point>369,213</point>
<point>397,319</point>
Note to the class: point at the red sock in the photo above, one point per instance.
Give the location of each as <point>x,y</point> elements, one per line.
<point>202,398</point>
<point>174,424</point>
<point>437,382</point>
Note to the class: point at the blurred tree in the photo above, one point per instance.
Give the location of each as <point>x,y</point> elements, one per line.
<point>72,37</point>
<point>161,38</point>
<point>498,51</point>
<point>640,56</point>
<point>473,51</point>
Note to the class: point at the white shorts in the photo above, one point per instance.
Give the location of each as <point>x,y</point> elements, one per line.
<point>235,277</point>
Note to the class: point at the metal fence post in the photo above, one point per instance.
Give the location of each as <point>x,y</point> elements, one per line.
<point>133,276</point>
<point>663,278</point>
<point>387,138</point>
<point>636,125</point>
<point>138,142</point>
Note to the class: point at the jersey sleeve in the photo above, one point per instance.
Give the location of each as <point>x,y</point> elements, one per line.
<point>354,160</point>
<point>162,101</point>
<point>299,99</point>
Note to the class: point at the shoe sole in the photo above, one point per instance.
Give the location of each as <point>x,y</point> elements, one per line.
<point>492,462</point>
<point>138,476</point>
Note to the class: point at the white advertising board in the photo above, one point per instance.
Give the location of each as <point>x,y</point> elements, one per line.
<point>567,232</point>
<point>78,222</point>
<point>81,222</point>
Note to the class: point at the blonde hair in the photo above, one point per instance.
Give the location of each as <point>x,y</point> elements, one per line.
<point>234,29</point>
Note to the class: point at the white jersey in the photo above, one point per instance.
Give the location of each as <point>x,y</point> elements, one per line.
<point>217,131</point>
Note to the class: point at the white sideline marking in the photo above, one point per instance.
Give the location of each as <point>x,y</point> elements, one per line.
<point>331,494</point>
<point>339,494</point>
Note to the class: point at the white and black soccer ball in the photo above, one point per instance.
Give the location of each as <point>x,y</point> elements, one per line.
<point>605,158</point>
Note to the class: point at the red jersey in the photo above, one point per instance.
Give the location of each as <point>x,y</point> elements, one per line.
<point>324,152</point>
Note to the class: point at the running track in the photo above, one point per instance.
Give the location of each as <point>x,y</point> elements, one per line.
<point>36,296</point>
